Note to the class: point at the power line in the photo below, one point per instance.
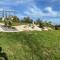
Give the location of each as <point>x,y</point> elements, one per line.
<point>7,13</point>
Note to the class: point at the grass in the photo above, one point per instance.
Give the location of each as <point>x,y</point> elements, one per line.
<point>31,45</point>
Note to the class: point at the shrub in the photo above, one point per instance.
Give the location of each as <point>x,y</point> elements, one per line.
<point>6,22</point>
<point>9,23</point>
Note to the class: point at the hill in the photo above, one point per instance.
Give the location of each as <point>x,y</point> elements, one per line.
<point>35,45</point>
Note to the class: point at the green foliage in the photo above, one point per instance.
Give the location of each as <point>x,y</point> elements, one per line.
<point>43,23</point>
<point>12,21</point>
<point>0,19</point>
<point>9,23</point>
<point>6,22</point>
<point>15,19</point>
<point>57,27</point>
<point>31,45</point>
<point>40,22</point>
<point>26,20</point>
<point>48,24</point>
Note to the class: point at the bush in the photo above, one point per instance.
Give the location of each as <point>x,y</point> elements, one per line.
<point>6,22</point>
<point>9,23</point>
<point>13,28</point>
<point>26,20</point>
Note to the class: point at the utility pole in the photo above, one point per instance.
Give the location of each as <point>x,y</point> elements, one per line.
<point>6,13</point>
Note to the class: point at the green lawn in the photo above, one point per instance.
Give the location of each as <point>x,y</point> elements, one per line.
<point>35,45</point>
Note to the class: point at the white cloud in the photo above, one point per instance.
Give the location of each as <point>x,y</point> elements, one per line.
<point>33,11</point>
<point>15,3</point>
<point>6,9</point>
<point>21,16</point>
<point>50,11</point>
<point>37,12</point>
<point>7,5</point>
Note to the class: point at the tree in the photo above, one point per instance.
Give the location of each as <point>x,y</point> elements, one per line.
<point>15,19</point>
<point>27,20</point>
<point>56,27</point>
<point>6,23</point>
<point>40,22</point>
<point>12,20</point>
<point>0,19</point>
<point>9,23</point>
<point>49,23</point>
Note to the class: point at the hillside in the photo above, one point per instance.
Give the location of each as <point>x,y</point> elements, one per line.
<point>35,45</point>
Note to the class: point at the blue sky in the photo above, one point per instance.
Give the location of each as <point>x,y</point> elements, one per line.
<point>44,9</point>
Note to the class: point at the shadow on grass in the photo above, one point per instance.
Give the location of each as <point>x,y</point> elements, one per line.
<point>3,55</point>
